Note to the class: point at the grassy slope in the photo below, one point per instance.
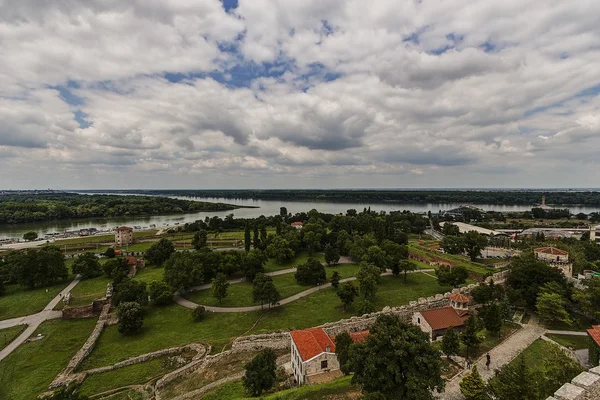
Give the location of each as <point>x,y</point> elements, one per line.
<point>29,370</point>
<point>240,294</point>
<point>19,301</point>
<point>572,341</point>
<point>340,388</point>
<point>7,335</point>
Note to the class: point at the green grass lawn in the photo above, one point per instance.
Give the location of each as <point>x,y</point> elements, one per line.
<point>571,341</point>
<point>89,290</point>
<point>339,389</point>
<point>300,258</point>
<point>240,294</point>
<point>166,327</point>
<point>29,370</point>
<point>9,334</point>
<point>19,301</point>
<point>131,375</point>
<point>580,324</point>
<point>150,273</point>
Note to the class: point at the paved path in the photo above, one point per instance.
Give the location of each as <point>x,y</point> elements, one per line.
<point>33,321</point>
<point>574,333</point>
<point>500,355</point>
<point>190,304</point>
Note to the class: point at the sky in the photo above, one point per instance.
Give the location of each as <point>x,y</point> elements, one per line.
<point>299,94</point>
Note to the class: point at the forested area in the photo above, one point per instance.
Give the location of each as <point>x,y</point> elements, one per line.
<point>29,207</point>
<point>590,198</point>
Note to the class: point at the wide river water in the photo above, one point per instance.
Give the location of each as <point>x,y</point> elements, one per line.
<point>265,207</point>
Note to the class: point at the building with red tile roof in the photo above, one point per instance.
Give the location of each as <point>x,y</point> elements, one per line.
<point>556,257</point>
<point>313,355</point>
<point>436,322</point>
<point>297,225</point>
<point>594,333</point>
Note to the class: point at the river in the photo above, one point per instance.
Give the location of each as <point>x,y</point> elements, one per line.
<point>265,207</point>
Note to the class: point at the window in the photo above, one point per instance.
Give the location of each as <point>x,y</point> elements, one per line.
<point>418,320</point>
<point>324,364</point>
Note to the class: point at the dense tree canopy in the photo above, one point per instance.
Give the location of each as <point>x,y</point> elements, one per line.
<point>312,272</point>
<point>260,373</point>
<point>87,265</point>
<point>160,252</point>
<point>131,318</point>
<point>33,268</point>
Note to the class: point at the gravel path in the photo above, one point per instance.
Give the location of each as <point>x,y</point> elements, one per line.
<point>574,333</point>
<point>190,304</point>
<point>500,355</point>
<point>34,320</point>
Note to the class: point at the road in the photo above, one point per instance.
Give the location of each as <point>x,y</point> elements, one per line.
<point>190,304</point>
<point>33,321</point>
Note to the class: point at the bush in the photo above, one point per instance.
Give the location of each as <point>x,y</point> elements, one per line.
<point>131,318</point>
<point>260,373</point>
<point>311,273</point>
<point>160,293</point>
<point>199,313</point>
<point>87,266</point>
<point>131,291</point>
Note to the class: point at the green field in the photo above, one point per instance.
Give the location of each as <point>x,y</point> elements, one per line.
<point>88,290</point>
<point>29,370</point>
<point>240,294</point>
<point>7,335</point>
<point>572,341</point>
<point>339,389</point>
<point>18,301</point>
<point>150,273</point>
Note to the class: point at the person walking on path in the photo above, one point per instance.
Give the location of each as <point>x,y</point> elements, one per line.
<point>488,361</point>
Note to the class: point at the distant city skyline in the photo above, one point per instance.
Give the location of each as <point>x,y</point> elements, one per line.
<point>299,94</point>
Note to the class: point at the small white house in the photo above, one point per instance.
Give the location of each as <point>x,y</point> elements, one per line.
<point>556,257</point>
<point>437,321</point>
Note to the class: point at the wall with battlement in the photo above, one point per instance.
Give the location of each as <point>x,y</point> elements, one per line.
<point>585,386</point>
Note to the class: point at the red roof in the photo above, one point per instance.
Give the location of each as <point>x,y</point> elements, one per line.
<point>312,342</point>
<point>131,260</point>
<point>442,318</point>
<point>358,337</point>
<point>460,298</point>
<point>296,223</point>
<point>124,228</point>
<point>552,250</point>
<point>594,333</point>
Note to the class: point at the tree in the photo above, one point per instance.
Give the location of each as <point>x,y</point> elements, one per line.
<point>558,368</point>
<point>116,269</point>
<point>451,342</point>
<point>343,341</point>
<point>483,293</point>
<point>279,248</point>
<point>310,273</point>
<point>181,270</point>
<point>453,244</point>
<point>473,387</point>
<point>474,244</point>
<point>347,292</point>
<point>29,236</point>
<point>335,279</point>
<point>450,229</point>
<point>452,276</point>
<point>283,212</point>
<point>365,307</point>
<point>551,307</point>
<point>247,238</point>
<point>397,360</point>
<point>200,239</point>
<point>256,240</point>
<point>252,264</point>
<point>264,291</point>
<point>131,318</point>
<point>332,255</point>
<point>260,373</point>
<point>87,265</point>
<point>405,266</point>
<point>109,253</point>
<point>35,268</point>
<point>492,319</point>
<point>515,381</point>
<point>130,290</point>
<point>160,293</point>
<point>160,252</point>
<point>219,287</point>
<point>368,278</point>
<point>469,335</point>
<point>199,313</point>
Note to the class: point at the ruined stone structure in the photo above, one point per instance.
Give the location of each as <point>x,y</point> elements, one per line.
<point>89,311</point>
<point>585,386</point>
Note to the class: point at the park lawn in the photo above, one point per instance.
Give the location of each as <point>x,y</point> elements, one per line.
<point>89,290</point>
<point>325,306</point>
<point>129,394</point>
<point>580,323</point>
<point>165,327</point>
<point>130,375</point>
<point>339,389</point>
<point>240,294</point>
<point>19,301</point>
<point>575,342</point>
<point>150,273</point>
<point>7,335</point>
<point>29,370</point>
<point>301,258</point>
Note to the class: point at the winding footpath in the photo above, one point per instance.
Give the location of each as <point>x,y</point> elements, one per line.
<point>190,304</point>
<point>33,321</point>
